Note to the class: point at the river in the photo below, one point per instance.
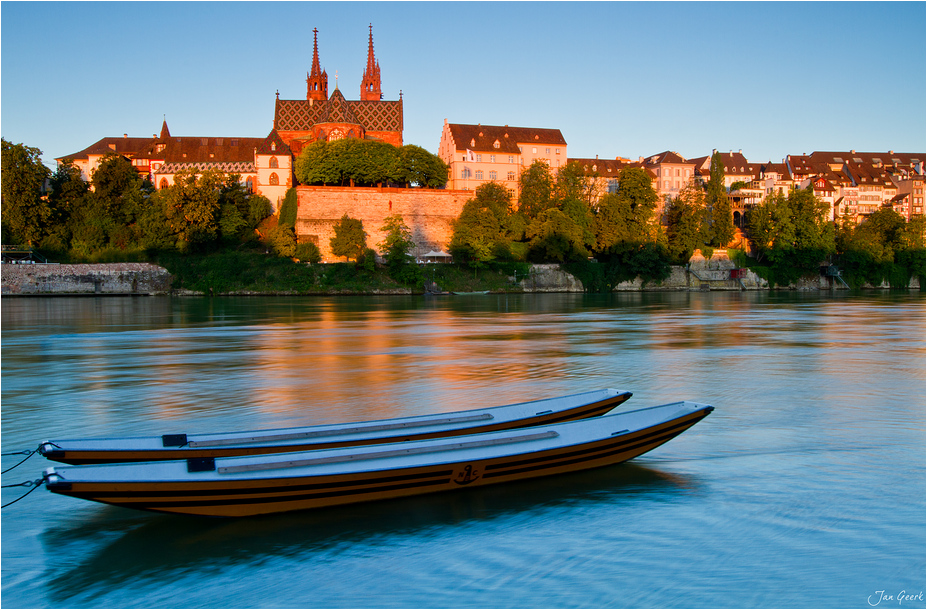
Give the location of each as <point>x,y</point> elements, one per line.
<point>804,488</point>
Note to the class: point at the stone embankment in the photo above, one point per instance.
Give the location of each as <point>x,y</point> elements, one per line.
<point>101,279</point>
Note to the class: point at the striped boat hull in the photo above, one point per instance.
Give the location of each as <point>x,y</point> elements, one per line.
<point>246,495</point>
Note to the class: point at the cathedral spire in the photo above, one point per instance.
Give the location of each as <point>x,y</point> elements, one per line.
<point>317,80</point>
<point>370,85</point>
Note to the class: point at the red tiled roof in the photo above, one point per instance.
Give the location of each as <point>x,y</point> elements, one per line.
<point>603,167</point>
<point>123,146</point>
<point>483,138</point>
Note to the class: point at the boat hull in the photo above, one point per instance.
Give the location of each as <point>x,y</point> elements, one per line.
<point>242,495</point>
<point>357,434</point>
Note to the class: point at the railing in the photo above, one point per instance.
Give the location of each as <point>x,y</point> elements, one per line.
<point>20,254</point>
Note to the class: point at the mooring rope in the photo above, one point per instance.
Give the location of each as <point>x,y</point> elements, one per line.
<point>33,484</point>
<point>28,453</point>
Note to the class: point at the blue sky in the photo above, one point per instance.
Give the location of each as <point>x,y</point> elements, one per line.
<point>618,79</point>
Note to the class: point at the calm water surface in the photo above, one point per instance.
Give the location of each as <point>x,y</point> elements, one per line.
<point>805,487</point>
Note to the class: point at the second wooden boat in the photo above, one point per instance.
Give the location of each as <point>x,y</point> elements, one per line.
<point>353,434</point>
<point>254,485</point>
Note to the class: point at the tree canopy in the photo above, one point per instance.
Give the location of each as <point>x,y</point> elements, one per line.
<point>350,239</point>
<point>352,162</point>
<point>24,211</point>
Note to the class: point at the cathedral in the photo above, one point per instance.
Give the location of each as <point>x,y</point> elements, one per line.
<point>265,164</point>
<point>324,117</point>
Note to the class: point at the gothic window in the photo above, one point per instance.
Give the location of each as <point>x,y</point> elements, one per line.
<point>249,184</point>
<point>273,163</point>
<point>164,183</point>
<point>274,179</point>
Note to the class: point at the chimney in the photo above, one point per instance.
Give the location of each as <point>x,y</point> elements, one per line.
<point>125,135</point>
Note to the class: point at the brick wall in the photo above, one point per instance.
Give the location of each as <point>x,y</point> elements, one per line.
<point>429,213</point>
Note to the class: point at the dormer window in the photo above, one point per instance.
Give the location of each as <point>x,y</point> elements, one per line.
<point>472,143</point>
<point>496,144</point>
<point>273,146</point>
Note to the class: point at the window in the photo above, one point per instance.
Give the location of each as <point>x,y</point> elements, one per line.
<point>249,184</point>
<point>534,150</point>
<point>547,151</point>
<point>492,158</point>
<point>273,146</point>
<point>164,183</point>
<point>479,158</point>
<point>479,174</point>
<point>273,163</point>
<point>496,144</point>
<point>274,179</point>
<point>465,173</point>
<point>677,172</point>
<point>511,176</point>
<point>511,159</point>
<point>558,151</point>
<point>493,175</point>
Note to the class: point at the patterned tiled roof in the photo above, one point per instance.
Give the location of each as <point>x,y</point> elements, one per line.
<point>301,115</point>
<point>483,138</point>
<point>273,144</point>
<point>229,167</point>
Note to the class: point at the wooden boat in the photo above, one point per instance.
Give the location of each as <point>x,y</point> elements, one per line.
<point>254,485</point>
<point>184,446</point>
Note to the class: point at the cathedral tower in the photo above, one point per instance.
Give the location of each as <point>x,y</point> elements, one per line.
<point>370,85</point>
<point>317,80</point>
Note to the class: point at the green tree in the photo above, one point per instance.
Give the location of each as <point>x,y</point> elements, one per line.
<point>485,220</point>
<point>397,245</point>
<point>555,237</point>
<point>288,209</point>
<point>25,212</point>
<point>350,239</point>
<point>535,186</point>
<point>628,214</point>
<point>192,206</point>
<point>68,195</point>
<point>574,195</point>
<point>417,166</point>
<point>720,218</point>
<point>684,229</point>
<point>318,164</point>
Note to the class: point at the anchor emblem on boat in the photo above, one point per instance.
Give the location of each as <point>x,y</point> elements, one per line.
<point>467,475</point>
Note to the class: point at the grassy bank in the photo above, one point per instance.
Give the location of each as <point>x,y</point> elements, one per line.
<point>245,272</point>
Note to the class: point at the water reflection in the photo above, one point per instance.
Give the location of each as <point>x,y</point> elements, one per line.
<point>119,547</point>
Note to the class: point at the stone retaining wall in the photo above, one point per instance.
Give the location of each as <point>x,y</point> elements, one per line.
<point>429,213</point>
<point>100,279</point>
